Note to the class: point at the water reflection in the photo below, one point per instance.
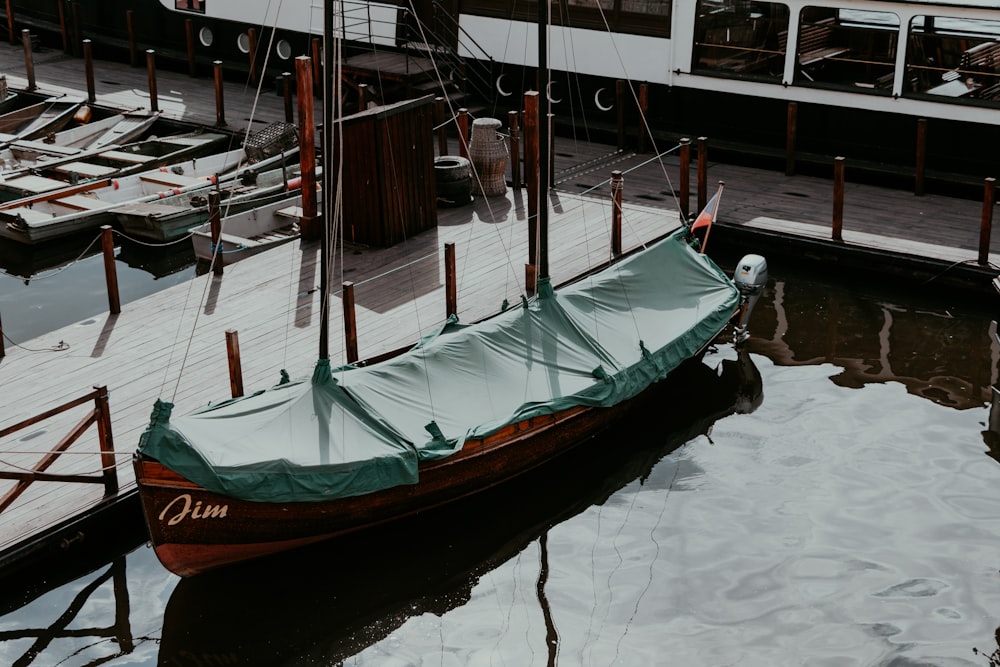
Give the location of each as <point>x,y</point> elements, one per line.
<point>350,594</point>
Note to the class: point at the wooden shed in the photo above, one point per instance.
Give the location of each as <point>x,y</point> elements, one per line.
<point>388,178</point>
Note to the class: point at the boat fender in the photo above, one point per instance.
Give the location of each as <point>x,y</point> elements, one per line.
<point>213,179</point>
<point>114,183</point>
<point>163,169</point>
<point>176,191</point>
<point>294,183</point>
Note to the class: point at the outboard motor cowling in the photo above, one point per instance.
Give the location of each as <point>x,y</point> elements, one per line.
<point>750,278</point>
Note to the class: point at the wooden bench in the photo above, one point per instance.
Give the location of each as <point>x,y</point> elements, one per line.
<point>814,42</point>
<point>984,58</point>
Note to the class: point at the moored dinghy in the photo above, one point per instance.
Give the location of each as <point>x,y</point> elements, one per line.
<point>250,232</point>
<point>37,120</point>
<point>97,134</point>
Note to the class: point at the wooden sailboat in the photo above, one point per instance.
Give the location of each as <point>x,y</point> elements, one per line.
<point>359,446</point>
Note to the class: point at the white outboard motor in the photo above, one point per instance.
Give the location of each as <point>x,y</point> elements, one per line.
<point>750,278</point>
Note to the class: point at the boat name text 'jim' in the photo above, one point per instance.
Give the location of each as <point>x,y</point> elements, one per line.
<point>182,508</point>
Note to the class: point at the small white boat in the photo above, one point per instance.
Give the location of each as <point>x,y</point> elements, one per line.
<point>250,232</point>
<point>37,120</point>
<point>112,130</point>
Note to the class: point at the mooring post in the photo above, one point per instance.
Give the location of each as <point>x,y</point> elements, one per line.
<point>350,324</point>
<point>791,132</point>
<point>74,15</point>
<point>309,223</point>
<point>133,57</point>
<point>88,69</point>
<point>220,102</point>
<point>986,223</point>
<point>463,132</point>
<point>110,271</point>
<point>620,108</point>
<point>702,172</point>
<point>235,365</point>
<point>530,279</point>
<point>921,161</point>
<point>3,352</point>
<point>515,150</point>
<point>316,62</point>
<point>362,96</point>
<point>617,183</point>
<point>252,39</point>
<point>838,199</point>
<point>215,224</point>
<point>450,281</point>
<point>552,149</point>
<point>643,116</point>
<point>63,33</point>
<point>109,470</point>
<point>10,20</point>
<point>189,39</point>
<point>154,104</point>
<point>685,178</point>
<point>286,90</point>
<point>29,60</point>
<point>531,134</point>
<point>441,125</point>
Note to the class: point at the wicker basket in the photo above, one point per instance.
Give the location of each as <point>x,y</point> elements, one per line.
<point>488,153</point>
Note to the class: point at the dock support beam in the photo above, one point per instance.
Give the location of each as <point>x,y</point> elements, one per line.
<point>307,148</point>
<point>189,38</point>
<point>617,183</point>
<point>921,157</point>
<point>791,133</point>
<point>643,116</point>
<point>235,366</point>
<point>10,21</point>
<point>986,223</point>
<point>515,150</point>
<point>450,281</point>
<point>110,271</point>
<point>442,126</point>
<point>133,58</point>
<point>154,104</point>
<point>838,199</point>
<point>88,69</point>
<point>350,324</point>
<point>220,102</point>
<point>620,108</point>
<point>29,59</point>
<point>463,132</point>
<point>286,91</point>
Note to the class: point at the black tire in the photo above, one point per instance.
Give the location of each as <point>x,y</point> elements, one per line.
<point>451,168</point>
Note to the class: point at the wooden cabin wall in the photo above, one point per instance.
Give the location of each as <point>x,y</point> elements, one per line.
<point>389,184</point>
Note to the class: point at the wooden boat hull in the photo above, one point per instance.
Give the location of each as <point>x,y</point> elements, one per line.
<point>250,232</point>
<point>194,530</point>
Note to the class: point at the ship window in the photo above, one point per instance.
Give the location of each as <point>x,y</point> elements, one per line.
<point>243,42</point>
<point>205,36</point>
<point>954,60</point>
<point>739,38</point>
<point>639,17</point>
<point>847,49</point>
<point>283,49</point>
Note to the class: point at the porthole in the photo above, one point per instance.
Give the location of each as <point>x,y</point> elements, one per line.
<point>205,36</point>
<point>283,49</point>
<point>243,43</point>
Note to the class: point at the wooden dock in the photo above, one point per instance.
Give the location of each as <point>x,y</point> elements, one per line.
<point>172,345</point>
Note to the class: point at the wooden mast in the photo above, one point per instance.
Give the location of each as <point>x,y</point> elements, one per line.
<point>543,140</point>
<point>329,197</point>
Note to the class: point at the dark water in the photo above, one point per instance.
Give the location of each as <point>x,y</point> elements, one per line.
<point>831,497</point>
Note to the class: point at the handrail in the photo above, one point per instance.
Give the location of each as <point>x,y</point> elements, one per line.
<point>100,416</point>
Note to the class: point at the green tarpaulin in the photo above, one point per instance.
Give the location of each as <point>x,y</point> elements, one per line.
<point>351,431</point>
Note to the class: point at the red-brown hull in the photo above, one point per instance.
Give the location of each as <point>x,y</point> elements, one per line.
<point>194,530</point>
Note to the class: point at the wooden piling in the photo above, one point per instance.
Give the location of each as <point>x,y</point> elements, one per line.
<point>88,69</point>
<point>530,279</point>
<point>215,224</point>
<point>643,116</point>
<point>531,135</point>
<point>791,133</point>
<point>921,157</point>
<point>154,104</point>
<point>220,102</point>
<point>442,126</point>
<point>316,78</point>
<point>620,108</point>
<point>450,281</point>
<point>29,59</point>
<point>10,21</point>
<point>986,222</point>
<point>309,223</point>
<point>350,324</point>
<point>463,132</point>
<point>189,39</point>
<point>552,148</point>
<point>362,96</point>
<point>617,183</point>
<point>286,90</point>
<point>133,57</point>
<point>235,365</point>
<point>110,271</point>
<point>702,172</point>
<point>102,417</point>
<point>515,150</point>
<point>838,199</point>
<point>3,352</point>
<point>685,178</point>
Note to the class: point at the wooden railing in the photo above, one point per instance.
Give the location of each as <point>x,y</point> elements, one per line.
<point>100,416</point>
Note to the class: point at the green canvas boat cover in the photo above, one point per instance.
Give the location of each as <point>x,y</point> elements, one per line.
<point>354,430</point>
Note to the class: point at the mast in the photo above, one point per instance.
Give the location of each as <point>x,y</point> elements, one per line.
<point>543,140</point>
<point>328,179</point>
